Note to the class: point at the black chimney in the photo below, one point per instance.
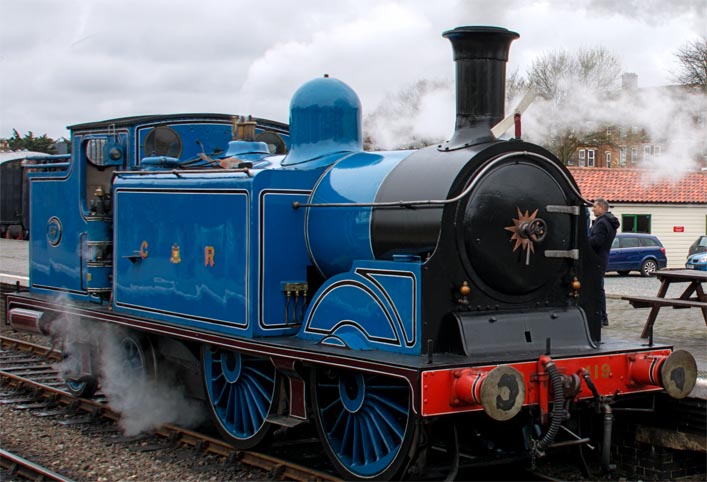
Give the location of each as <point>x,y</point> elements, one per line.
<point>481,54</point>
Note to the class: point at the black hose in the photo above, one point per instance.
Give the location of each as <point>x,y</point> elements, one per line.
<point>590,384</point>
<point>558,408</point>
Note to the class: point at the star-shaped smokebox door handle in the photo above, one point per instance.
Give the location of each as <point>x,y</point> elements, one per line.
<point>527,229</point>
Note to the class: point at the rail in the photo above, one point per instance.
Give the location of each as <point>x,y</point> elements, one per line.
<point>283,469</point>
<point>49,157</point>
<point>29,470</point>
<point>43,163</point>
<point>442,202</point>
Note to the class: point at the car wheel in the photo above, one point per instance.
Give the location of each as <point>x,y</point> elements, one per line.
<point>623,273</point>
<point>649,267</point>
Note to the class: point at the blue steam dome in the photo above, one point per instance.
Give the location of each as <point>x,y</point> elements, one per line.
<point>325,118</point>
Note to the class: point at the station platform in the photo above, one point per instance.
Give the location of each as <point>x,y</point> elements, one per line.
<point>683,329</point>
<point>14,262</point>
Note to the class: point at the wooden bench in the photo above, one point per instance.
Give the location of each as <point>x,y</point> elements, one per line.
<point>655,303</point>
<point>652,301</point>
<point>692,278</point>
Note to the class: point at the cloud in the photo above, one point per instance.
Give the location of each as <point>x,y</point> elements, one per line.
<point>74,61</point>
<point>357,51</point>
<point>653,12</point>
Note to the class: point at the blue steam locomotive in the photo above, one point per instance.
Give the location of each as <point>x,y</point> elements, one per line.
<point>386,296</point>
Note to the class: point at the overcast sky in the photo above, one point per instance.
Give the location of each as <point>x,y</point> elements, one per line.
<point>64,62</point>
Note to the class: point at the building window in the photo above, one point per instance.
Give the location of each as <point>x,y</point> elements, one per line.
<point>581,157</point>
<point>608,132</point>
<point>634,155</point>
<point>646,152</point>
<point>590,157</point>
<point>622,133</point>
<point>608,159</point>
<point>634,129</point>
<point>622,156</point>
<point>636,223</point>
<point>656,151</point>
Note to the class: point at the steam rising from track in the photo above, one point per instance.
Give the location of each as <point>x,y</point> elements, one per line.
<point>144,402</point>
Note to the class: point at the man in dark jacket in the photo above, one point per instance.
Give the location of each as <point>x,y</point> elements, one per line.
<point>601,236</point>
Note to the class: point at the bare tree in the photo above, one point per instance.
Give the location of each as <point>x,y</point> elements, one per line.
<point>692,58</point>
<point>553,75</point>
<point>566,80</point>
<point>516,87</point>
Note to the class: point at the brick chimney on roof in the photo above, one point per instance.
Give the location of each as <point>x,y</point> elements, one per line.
<point>629,81</point>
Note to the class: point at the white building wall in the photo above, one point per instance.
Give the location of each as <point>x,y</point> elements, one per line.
<point>664,219</point>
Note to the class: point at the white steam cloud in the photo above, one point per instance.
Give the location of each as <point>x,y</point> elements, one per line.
<point>419,115</point>
<point>144,402</point>
<point>671,117</point>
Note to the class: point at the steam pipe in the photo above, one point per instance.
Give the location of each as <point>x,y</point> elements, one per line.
<point>590,384</point>
<point>606,445</point>
<point>454,466</point>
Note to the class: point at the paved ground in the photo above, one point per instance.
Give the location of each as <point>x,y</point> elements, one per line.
<point>684,329</point>
<point>14,261</point>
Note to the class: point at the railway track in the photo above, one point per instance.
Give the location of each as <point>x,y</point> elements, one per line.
<point>28,378</point>
<point>17,467</point>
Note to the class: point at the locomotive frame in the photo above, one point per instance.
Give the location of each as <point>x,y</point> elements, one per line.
<point>377,294</point>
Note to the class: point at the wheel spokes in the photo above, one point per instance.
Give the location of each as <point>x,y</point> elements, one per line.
<point>218,397</point>
<point>399,407</point>
<point>386,418</point>
<point>364,419</point>
<point>382,435</point>
<point>241,390</point>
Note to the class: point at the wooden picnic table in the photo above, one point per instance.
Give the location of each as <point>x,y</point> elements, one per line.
<point>692,297</point>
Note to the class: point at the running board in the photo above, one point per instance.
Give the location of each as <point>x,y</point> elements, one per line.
<point>284,420</point>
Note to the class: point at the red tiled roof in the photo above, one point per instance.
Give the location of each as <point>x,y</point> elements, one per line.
<point>640,185</point>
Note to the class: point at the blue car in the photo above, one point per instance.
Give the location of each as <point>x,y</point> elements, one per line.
<point>699,246</point>
<point>636,252</point>
<point>697,261</point>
